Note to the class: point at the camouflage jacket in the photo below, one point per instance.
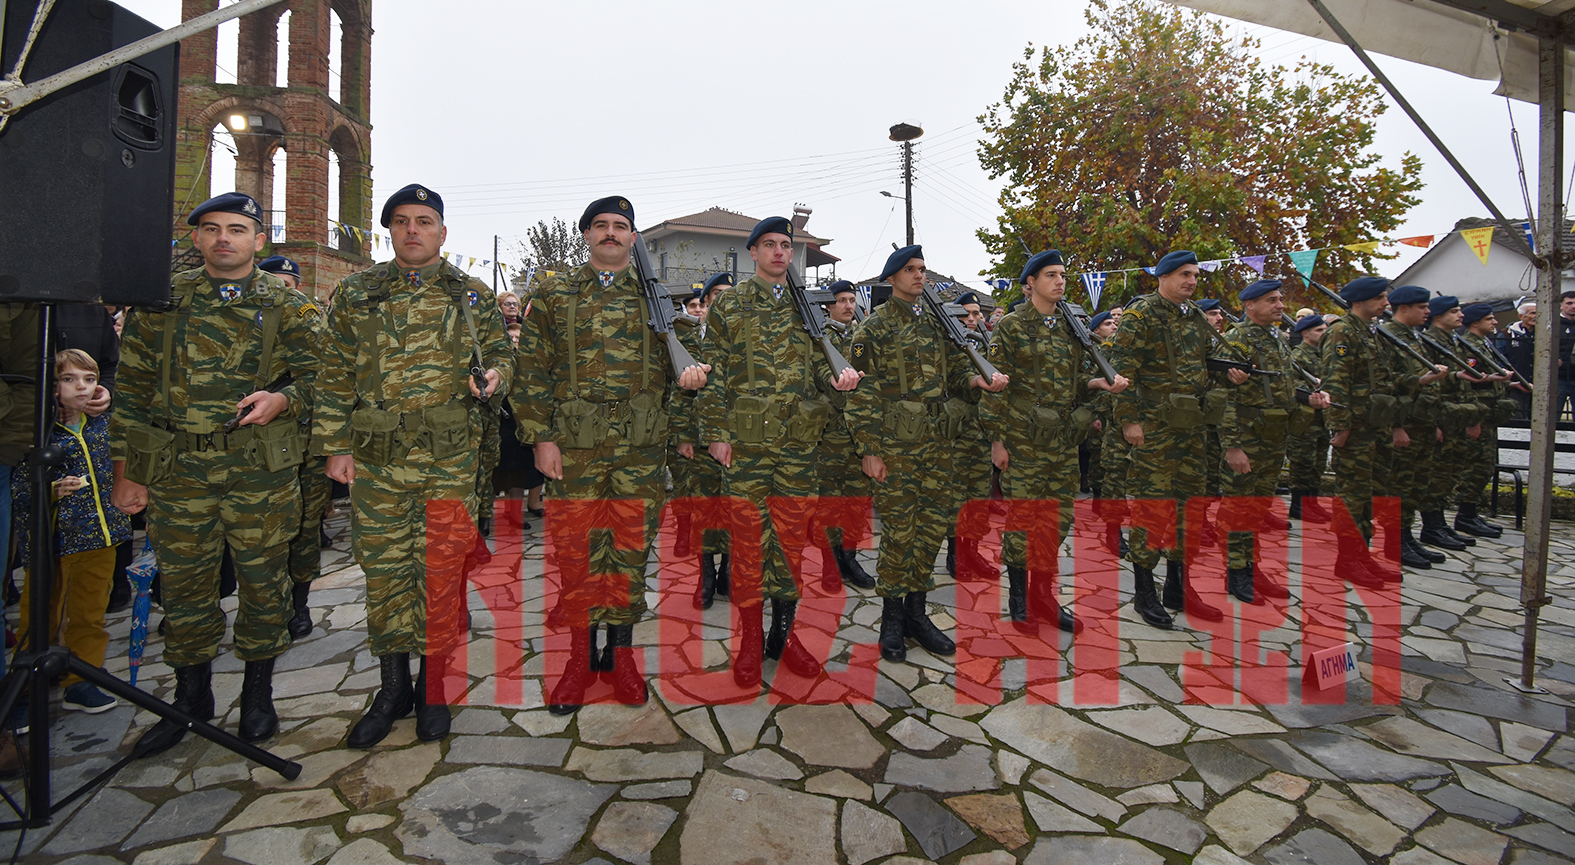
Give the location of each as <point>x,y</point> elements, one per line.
<point>757,346</point>
<point>1353,370</point>
<point>414,342</point>
<point>1307,355</point>
<point>217,346</point>
<point>1265,347</point>
<point>1461,405</point>
<point>1483,392</point>
<point>1047,367</point>
<point>1405,371</point>
<point>684,422</point>
<point>1139,352</point>
<point>615,354</point>
<point>901,344</point>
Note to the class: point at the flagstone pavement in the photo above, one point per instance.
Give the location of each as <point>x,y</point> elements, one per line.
<point>1463,769</point>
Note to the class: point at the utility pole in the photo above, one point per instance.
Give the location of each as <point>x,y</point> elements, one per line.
<point>906,132</point>
<point>494,265</point>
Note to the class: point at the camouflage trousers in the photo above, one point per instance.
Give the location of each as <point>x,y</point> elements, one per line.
<point>787,470</point>
<point>1115,456</point>
<point>1035,474</point>
<point>611,471</point>
<point>841,472</point>
<point>971,462</point>
<point>1353,476</point>
<point>1405,472</point>
<point>1168,465</point>
<point>214,498</point>
<point>699,477</point>
<point>1265,459</point>
<point>916,514</point>
<point>1449,462</point>
<point>1308,456</point>
<point>491,454</point>
<point>1480,460</point>
<point>1095,445</point>
<point>411,520</point>
<point>1213,462</point>
<point>306,548</point>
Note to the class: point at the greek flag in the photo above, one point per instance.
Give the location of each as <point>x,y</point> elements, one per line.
<point>1000,284</point>
<point>1094,284</point>
<point>864,296</point>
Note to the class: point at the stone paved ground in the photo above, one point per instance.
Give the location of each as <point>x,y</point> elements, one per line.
<point>1462,770</point>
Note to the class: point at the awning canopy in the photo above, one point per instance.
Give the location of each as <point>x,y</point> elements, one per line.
<point>1468,37</point>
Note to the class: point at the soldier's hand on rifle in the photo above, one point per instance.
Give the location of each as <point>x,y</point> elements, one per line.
<point>848,380</point>
<point>875,468</point>
<point>1120,385</point>
<point>265,406</point>
<point>999,456</point>
<point>996,384</point>
<point>693,377</point>
<point>1133,433</point>
<point>1236,458</point>
<point>1520,387</point>
<point>1400,438</point>
<point>493,379</point>
<point>687,450</point>
<point>722,452</point>
<point>341,468</point>
<point>1438,372</point>
<point>1237,376</point>
<point>549,460</point>
<point>1319,399</point>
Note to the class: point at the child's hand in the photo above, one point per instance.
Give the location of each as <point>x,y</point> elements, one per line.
<point>68,485</point>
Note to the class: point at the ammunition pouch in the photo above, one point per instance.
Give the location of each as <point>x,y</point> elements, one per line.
<point>1420,411</point>
<point>444,429</point>
<point>646,425</point>
<point>277,445</point>
<point>1272,425</point>
<point>808,421</point>
<point>374,436</point>
<point>1382,410</point>
<point>749,419</point>
<point>953,418</point>
<point>1503,410</point>
<point>1214,403</point>
<point>1300,421</point>
<point>1044,425</point>
<point>1181,411</point>
<point>580,424</point>
<point>907,420</point>
<point>150,454</point>
<point>1081,424</point>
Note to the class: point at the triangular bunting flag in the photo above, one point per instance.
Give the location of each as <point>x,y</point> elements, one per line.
<point>1209,266</point>
<point>1531,239</point>
<point>472,263</point>
<point>1255,262</point>
<point>1094,284</point>
<point>1480,240</point>
<point>1303,260</point>
<point>1422,240</point>
<point>1366,247</point>
<point>1149,271</point>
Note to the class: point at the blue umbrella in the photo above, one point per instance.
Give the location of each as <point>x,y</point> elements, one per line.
<point>141,572</point>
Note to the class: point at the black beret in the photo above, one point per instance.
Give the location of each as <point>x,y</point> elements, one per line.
<point>966,298</point>
<point>1408,294</point>
<point>1098,319</point>
<point>279,264</point>
<point>1364,288</point>
<point>1308,321</point>
<point>1208,304</point>
<point>1476,312</point>
<point>1174,260</point>
<point>1041,261</point>
<point>723,278</point>
<point>1259,289</point>
<point>415,193</point>
<point>615,204</point>
<point>769,225</point>
<point>899,259</point>
<point>841,286</point>
<point>229,202</point>
<point>1441,304</point>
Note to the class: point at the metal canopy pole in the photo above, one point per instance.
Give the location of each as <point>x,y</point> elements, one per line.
<point>1545,400</point>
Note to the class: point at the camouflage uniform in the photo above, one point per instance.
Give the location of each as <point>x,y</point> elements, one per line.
<point>758,347</point>
<point>306,548</point>
<point>838,463</point>
<point>1354,371</point>
<point>1170,462</point>
<point>1308,452</point>
<point>219,491</point>
<point>1497,406</point>
<point>906,356</point>
<point>398,341</point>
<point>1257,420</point>
<point>614,357</point>
<point>1458,410</point>
<point>1405,472</point>
<point>702,475</point>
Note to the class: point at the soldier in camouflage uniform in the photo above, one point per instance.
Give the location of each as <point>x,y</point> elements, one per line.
<point>592,395</point>
<point>1308,453</point>
<point>306,548</point>
<point>841,473</point>
<point>910,371</point>
<point>1115,455</point>
<point>399,418</point>
<point>1401,461</point>
<point>1161,346</point>
<point>1257,425</point>
<point>231,331</point>
<point>971,461</point>
<point>1035,426</point>
<point>1100,326</point>
<point>701,475</point>
<point>1494,397</point>
<point>1460,419</point>
<point>761,415</point>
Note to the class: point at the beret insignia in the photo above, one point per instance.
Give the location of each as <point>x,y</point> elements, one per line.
<point>622,204</point>
<point>421,194</point>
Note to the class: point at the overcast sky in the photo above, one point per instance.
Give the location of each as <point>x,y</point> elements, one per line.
<point>519,112</point>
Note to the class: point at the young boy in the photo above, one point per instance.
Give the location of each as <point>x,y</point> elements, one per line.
<point>87,527</point>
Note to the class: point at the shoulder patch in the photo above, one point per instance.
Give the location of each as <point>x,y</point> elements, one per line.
<point>1132,313</point>
<point>995,349</point>
<point>1341,350</point>
<point>310,309</point>
<point>858,350</point>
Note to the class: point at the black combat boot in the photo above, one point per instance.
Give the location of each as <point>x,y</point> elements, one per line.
<point>724,575</point>
<point>1238,581</point>
<point>951,557</point>
<point>1304,507</point>
<point>301,623</point>
<point>1114,542</point>
<point>971,566</point>
<point>432,713</point>
<point>853,573</point>
<point>1433,556</point>
<point>783,645</point>
<point>746,666</point>
<point>628,684</point>
<point>917,626</point>
<point>1409,557</point>
<point>681,529</point>
<point>1017,600</point>
<point>569,694</point>
<point>893,646</point>
<point>1144,601</point>
<point>1044,606</point>
<point>193,696</point>
<point>705,594</point>
<point>602,659</point>
<point>1353,562</point>
<point>1296,504</point>
<point>394,700</point>
<point>1443,525</point>
<point>1467,520</point>
<point>258,719</point>
<point>1267,588</point>
<point>830,571</point>
<point>1196,607</point>
<point>1434,533</point>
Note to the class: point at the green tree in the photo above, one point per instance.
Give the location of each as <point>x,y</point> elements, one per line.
<point>1160,131</point>
<point>554,246</point>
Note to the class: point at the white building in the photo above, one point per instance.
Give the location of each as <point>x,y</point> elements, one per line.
<point>689,249</point>
<point>1451,267</point>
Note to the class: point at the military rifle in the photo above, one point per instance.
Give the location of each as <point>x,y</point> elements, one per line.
<point>1494,367</point>
<point>1448,354</point>
<point>1507,367</point>
<point>957,333</point>
<point>815,325</point>
<point>659,302</point>
<point>1084,336</point>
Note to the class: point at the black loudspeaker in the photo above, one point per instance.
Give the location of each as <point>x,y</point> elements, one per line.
<point>87,173</point>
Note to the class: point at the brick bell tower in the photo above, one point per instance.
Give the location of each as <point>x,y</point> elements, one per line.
<point>301,118</point>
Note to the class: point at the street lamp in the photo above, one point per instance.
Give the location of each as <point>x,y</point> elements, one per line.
<point>906,132</point>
